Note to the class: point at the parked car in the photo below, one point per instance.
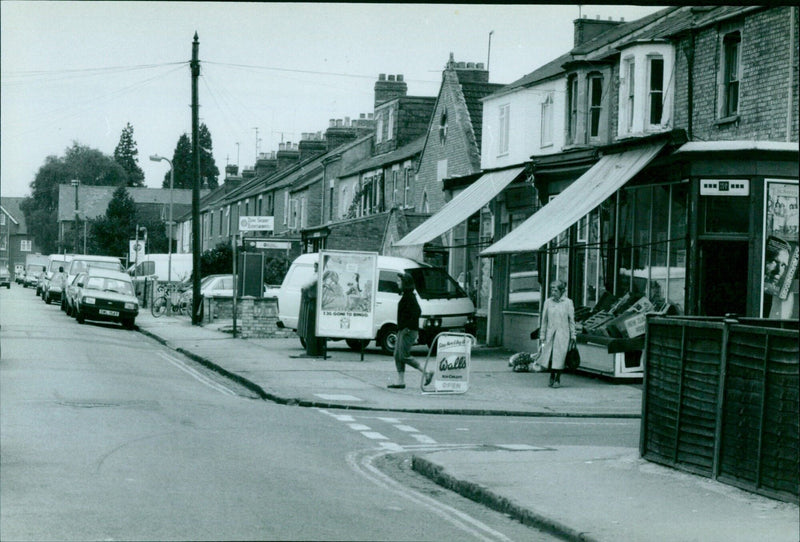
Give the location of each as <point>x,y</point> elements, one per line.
<point>216,286</point>
<point>105,295</point>
<point>5,277</point>
<point>68,300</point>
<point>19,276</point>
<point>55,262</point>
<point>83,262</point>
<point>32,273</point>
<point>445,305</point>
<point>56,287</point>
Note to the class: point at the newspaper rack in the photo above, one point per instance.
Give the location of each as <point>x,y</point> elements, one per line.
<point>452,363</point>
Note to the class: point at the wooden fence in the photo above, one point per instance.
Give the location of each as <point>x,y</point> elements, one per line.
<point>721,400</point>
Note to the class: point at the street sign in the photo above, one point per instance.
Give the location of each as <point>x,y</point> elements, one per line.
<point>256,223</point>
<point>136,250</point>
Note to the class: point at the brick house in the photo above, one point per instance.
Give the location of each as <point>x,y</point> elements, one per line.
<point>679,181</point>
<point>15,241</point>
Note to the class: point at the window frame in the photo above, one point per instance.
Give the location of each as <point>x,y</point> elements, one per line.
<point>379,129</point>
<point>504,129</point>
<point>652,93</point>
<point>630,93</point>
<point>592,109</point>
<point>572,109</point>
<point>546,121</point>
<point>731,72</point>
<point>390,126</point>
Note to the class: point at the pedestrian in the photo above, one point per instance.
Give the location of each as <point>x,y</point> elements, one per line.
<point>408,313</point>
<point>557,331</point>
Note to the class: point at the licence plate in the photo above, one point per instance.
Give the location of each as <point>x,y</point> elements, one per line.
<point>104,312</point>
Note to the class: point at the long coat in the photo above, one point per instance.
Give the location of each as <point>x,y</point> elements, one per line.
<point>558,327</point>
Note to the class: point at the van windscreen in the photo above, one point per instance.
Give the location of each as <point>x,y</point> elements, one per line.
<point>435,283</point>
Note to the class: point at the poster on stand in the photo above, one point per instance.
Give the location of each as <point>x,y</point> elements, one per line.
<point>781,251</point>
<point>346,294</point>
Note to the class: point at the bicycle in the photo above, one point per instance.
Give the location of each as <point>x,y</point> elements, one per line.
<point>172,300</point>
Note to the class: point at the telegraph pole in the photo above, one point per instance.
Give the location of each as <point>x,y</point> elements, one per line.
<point>195,66</point>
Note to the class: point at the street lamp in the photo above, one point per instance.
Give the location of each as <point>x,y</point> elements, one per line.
<point>76,183</point>
<point>157,158</point>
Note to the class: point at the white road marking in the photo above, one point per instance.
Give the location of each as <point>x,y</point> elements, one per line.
<point>359,427</point>
<point>373,435</point>
<point>391,446</point>
<point>520,447</point>
<point>196,375</point>
<point>407,428</point>
<point>424,439</point>
<point>390,420</point>
<point>362,464</point>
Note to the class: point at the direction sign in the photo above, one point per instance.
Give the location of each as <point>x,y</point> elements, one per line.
<point>256,223</point>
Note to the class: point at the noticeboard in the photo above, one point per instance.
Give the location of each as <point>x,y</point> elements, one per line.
<point>452,363</point>
<point>346,294</point>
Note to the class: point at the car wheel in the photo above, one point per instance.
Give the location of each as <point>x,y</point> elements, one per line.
<point>357,344</point>
<point>128,323</point>
<point>387,339</point>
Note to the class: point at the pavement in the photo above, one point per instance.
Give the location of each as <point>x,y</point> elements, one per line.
<point>588,493</point>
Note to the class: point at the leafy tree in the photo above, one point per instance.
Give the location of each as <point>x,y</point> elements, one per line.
<point>89,166</point>
<point>126,156</point>
<point>111,232</point>
<point>182,161</point>
<point>218,260</point>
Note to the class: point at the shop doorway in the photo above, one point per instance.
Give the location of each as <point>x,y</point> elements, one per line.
<point>723,277</point>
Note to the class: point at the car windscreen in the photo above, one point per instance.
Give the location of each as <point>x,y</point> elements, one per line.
<point>109,285</point>
<point>55,264</point>
<point>435,283</point>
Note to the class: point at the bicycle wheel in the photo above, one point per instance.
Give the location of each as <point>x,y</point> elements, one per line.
<point>159,306</point>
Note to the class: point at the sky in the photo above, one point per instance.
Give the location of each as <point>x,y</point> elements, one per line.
<point>80,71</point>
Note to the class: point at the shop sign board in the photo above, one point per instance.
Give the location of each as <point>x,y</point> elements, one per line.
<point>452,363</point>
<point>346,292</point>
<point>256,223</point>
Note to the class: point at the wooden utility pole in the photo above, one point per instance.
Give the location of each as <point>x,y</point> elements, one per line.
<point>195,66</point>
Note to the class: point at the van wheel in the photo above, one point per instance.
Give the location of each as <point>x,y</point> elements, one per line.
<point>387,339</point>
<point>357,344</point>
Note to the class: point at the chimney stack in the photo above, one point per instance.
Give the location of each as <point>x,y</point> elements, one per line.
<point>311,146</point>
<point>389,89</point>
<point>468,72</point>
<point>287,155</point>
<point>588,29</point>
<point>266,164</point>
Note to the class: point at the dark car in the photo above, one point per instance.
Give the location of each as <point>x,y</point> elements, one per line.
<point>5,277</point>
<point>105,295</point>
<point>71,292</point>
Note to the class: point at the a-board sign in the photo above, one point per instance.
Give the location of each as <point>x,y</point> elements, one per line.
<point>451,364</point>
<point>256,223</point>
<point>346,291</point>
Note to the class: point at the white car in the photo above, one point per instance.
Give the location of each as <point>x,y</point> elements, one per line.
<point>216,286</point>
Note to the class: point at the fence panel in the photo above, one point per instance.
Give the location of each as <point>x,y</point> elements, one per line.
<point>721,400</point>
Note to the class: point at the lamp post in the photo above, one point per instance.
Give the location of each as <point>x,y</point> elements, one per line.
<point>157,158</point>
<point>76,183</point>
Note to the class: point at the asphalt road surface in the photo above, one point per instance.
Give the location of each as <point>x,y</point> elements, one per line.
<point>107,435</point>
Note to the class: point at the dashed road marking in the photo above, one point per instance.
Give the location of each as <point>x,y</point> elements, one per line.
<point>407,428</point>
<point>359,427</point>
<point>519,447</point>
<point>424,439</point>
<point>374,435</point>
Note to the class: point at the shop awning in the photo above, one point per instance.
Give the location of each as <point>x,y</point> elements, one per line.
<point>604,178</point>
<point>461,207</point>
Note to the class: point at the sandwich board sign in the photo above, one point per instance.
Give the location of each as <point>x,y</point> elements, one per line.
<point>451,364</point>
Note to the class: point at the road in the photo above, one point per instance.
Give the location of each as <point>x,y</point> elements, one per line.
<point>107,435</point>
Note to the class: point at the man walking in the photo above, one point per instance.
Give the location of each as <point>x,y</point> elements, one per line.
<point>408,313</point>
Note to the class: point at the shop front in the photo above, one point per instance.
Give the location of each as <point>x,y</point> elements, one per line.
<point>704,229</point>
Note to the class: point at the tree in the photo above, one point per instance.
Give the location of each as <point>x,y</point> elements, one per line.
<point>111,232</point>
<point>182,161</point>
<point>218,260</point>
<point>126,156</point>
<point>89,166</point>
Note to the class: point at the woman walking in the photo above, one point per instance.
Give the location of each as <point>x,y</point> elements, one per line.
<point>408,313</point>
<point>557,331</point>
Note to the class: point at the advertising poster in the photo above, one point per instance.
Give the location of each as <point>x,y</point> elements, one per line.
<point>346,294</point>
<point>451,373</point>
<point>781,251</point>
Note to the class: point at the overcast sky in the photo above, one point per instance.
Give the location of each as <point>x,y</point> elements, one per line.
<point>79,71</point>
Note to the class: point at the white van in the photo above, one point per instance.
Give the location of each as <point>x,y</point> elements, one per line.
<point>157,266</point>
<point>445,306</point>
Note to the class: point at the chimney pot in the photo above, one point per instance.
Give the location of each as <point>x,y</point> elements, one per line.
<point>382,77</point>
<point>461,65</point>
<point>331,123</point>
<point>338,123</point>
<point>347,121</point>
<point>370,115</point>
<point>391,77</point>
<point>362,115</point>
<point>480,66</point>
<point>400,77</point>
<point>622,19</point>
<point>470,65</point>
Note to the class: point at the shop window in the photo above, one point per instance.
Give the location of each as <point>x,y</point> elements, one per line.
<point>595,104</point>
<point>655,103</point>
<point>729,88</point>
<point>652,244</point>
<point>780,267</point>
<point>524,287</point>
<point>547,121</point>
<point>589,253</point>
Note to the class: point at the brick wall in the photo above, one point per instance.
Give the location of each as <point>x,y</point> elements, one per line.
<point>258,318</point>
<point>360,234</point>
<point>456,148</point>
<point>764,86</point>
